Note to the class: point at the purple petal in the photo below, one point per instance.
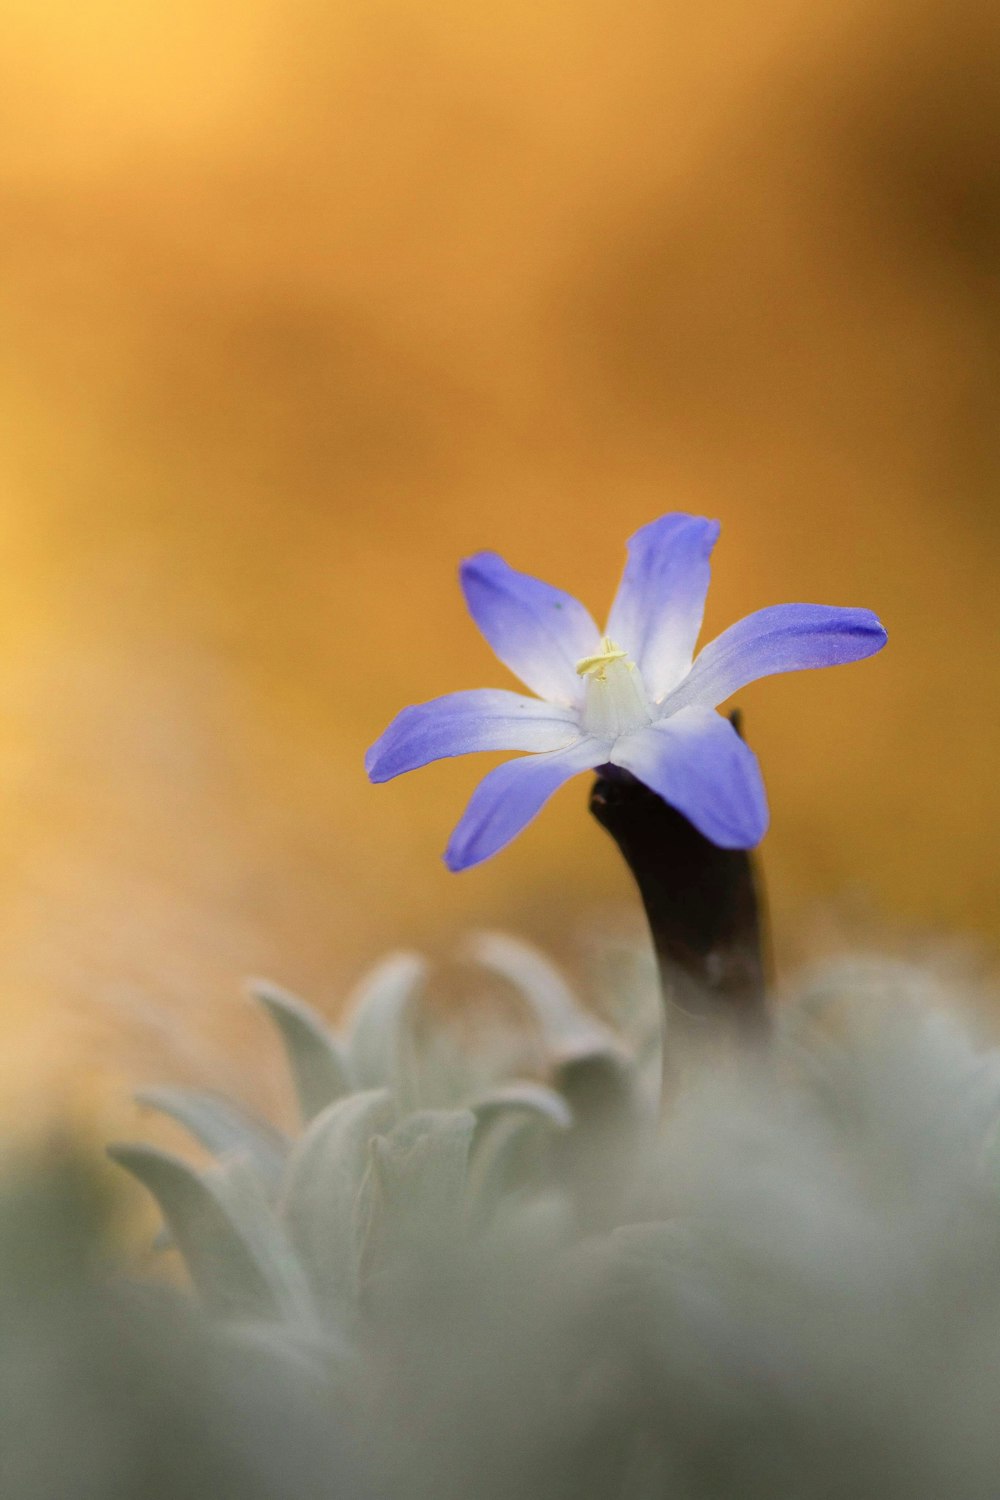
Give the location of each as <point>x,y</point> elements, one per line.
<point>697,762</point>
<point>784,638</point>
<point>660,603</point>
<point>508,798</point>
<point>483,719</point>
<point>538,631</point>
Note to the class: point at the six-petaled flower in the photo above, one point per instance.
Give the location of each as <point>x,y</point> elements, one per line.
<point>633,696</point>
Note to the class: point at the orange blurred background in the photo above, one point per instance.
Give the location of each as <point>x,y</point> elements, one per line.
<point>300,302</point>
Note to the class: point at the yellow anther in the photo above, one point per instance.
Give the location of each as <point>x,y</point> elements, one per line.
<point>596,665</point>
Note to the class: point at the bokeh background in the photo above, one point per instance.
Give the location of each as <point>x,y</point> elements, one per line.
<point>302,300</point>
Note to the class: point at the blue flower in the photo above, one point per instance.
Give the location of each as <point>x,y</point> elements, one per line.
<point>635,697</point>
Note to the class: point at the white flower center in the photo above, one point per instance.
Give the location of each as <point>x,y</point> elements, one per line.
<point>616,702</point>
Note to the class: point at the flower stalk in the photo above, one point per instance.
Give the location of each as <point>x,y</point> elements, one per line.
<point>704,910</point>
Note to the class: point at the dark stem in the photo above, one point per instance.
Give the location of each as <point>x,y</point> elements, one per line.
<point>703,908</point>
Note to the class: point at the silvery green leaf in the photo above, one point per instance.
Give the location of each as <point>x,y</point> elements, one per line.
<point>322,1181</point>
<point>568,1029</point>
<point>380,1022</point>
<point>510,1149</point>
<point>444,1067</point>
<point>465,1054</point>
<point>598,1084</point>
<point>317,1064</point>
<point>424,1157</point>
<point>223,1127</point>
<point>222,1265</point>
<point>523,1097</point>
<point>242,1192</point>
<point>511,1152</point>
<point>608,1115</point>
<point>414,1191</point>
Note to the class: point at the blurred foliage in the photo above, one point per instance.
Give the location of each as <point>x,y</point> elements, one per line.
<point>113,1389</point>
<point>790,1285</point>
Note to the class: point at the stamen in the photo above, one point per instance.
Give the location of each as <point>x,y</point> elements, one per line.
<point>615,702</point>
<point>597,665</point>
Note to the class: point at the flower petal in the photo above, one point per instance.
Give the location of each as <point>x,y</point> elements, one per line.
<point>660,603</point>
<point>483,719</point>
<point>538,631</point>
<point>783,638</point>
<point>508,798</point>
<point>697,762</point>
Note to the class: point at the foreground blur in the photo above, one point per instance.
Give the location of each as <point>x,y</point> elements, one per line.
<point>443,1282</point>
<point>302,304</point>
